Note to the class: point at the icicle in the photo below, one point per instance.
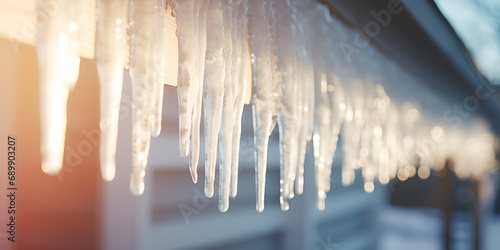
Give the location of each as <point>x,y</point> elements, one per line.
<point>347,142</point>
<point>213,91</point>
<point>320,112</point>
<point>287,108</point>
<point>159,66</point>
<point>367,159</point>
<point>358,108</point>
<point>383,105</point>
<point>299,133</point>
<point>288,179</point>
<point>392,143</point>
<point>200,17</point>
<point>322,135</point>
<point>142,40</point>
<point>338,108</point>
<point>262,87</point>
<point>239,90</point>
<point>186,90</point>
<point>276,74</point>
<point>309,105</point>
<point>338,113</point>
<point>335,89</point>
<point>110,55</point>
<point>306,129</point>
<point>58,51</point>
<point>303,74</point>
<point>227,124</point>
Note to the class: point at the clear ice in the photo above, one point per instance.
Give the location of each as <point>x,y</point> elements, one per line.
<point>213,90</point>
<point>145,74</point>
<point>58,51</point>
<point>259,32</point>
<point>111,43</point>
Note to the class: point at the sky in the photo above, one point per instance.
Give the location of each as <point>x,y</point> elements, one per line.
<point>477,23</point>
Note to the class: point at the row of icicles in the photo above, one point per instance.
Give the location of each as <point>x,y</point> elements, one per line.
<point>300,79</point>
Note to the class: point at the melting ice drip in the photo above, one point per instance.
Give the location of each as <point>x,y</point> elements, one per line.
<point>300,79</point>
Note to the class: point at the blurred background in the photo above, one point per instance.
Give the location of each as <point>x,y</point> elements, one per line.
<point>450,43</point>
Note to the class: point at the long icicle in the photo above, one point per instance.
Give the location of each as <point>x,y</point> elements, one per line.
<point>241,20</point>
<point>287,108</point>
<point>227,124</point>
<point>58,62</point>
<point>262,88</point>
<point>187,75</point>
<point>213,90</point>
<point>159,61</point>
<point>200,11</point>
<point>110,55</point>
<point>142,30</point>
